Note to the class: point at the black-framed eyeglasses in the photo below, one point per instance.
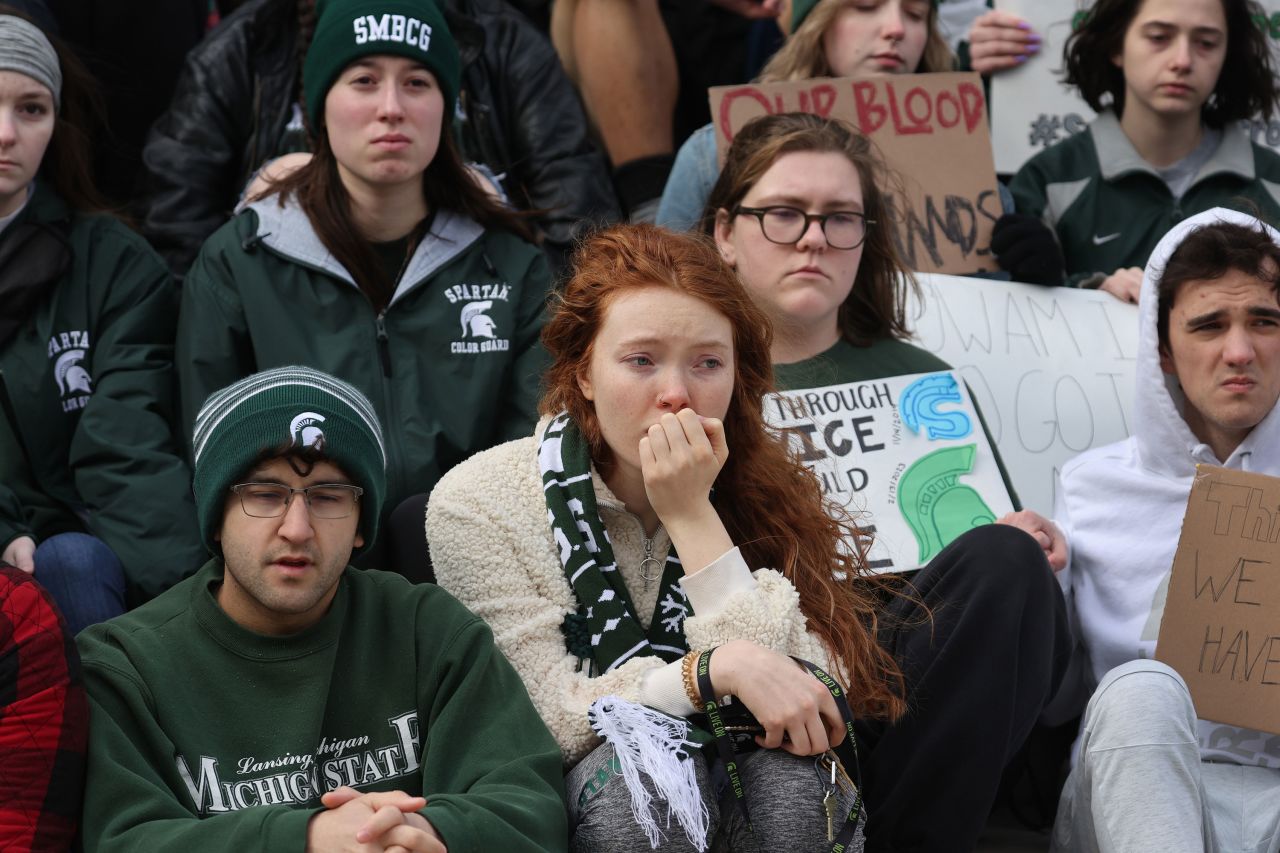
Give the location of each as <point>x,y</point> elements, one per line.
<point>843,229</point>
<point>324,500</point>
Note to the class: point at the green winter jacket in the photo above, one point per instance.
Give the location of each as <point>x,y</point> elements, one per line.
<point>1109,207</point>
<point>205,736</point>
<point>452,365</point>
<point>88,398</point>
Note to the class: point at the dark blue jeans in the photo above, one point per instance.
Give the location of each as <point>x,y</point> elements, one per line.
<point>84,577</point>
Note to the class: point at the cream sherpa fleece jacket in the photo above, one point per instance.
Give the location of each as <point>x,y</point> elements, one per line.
<point>492,548</point>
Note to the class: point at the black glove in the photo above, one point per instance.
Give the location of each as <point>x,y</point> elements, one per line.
<point>1028,249</point>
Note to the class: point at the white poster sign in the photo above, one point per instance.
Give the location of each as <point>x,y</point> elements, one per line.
<point>1030,107</point>
<point>906,455</point>
<point>1051,368</point>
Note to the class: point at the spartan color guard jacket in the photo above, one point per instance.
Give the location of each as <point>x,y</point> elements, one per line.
<point>88,399</point>
<point>451,365</point>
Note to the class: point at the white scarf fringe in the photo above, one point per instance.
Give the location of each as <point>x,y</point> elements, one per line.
<point>649,741</point>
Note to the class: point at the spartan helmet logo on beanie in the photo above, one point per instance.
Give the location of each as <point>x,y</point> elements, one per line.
<point>305,433</point>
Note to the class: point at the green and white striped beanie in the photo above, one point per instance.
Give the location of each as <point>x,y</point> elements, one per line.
<point>280,410</point>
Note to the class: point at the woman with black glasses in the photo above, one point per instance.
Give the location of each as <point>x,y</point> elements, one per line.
<point>799,212</point>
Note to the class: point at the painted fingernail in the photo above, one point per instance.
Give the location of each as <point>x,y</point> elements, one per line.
<point>1033,48</point>
<point>1033,39</point>
<point>1020,58</point>
<point>1023,25</point>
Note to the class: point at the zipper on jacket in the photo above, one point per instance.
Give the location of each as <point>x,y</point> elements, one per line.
<point>650,568</point>
<point>384,342</point>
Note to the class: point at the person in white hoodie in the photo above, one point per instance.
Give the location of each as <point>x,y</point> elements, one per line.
<point>1147,775</point>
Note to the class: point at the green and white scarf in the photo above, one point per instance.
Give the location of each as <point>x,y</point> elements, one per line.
<point>604,606</point>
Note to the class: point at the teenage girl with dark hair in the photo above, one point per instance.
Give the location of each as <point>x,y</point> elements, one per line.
<point>94,495</point>
<point>380,261</point>
<point>1171,81</point>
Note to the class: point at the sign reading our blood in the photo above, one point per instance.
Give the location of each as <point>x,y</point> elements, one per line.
<point>930,129</point>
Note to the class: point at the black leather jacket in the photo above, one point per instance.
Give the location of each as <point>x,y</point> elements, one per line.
<point>234,102</point>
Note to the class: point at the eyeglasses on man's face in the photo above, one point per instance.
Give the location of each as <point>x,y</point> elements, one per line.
<point>271,500</point>
<point>843,229</point>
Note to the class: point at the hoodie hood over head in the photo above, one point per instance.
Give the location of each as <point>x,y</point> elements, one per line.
<point>1165,443</point>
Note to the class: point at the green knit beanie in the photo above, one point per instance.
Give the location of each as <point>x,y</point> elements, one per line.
<point>347,30</point>
<point>275,411</point>
<point>800,10</point>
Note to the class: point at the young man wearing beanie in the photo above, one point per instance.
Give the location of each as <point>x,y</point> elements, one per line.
<point>280,700</point>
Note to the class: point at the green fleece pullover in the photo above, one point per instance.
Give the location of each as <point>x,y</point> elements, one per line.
<point>87,403</point>
<point>208,737</point>
<point>1109,207</point>
<point>451,365</point>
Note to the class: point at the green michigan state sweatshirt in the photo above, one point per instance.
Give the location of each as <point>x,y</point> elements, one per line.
<point>206,736</point>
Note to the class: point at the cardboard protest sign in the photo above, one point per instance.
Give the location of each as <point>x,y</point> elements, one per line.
<point>1221,624</point>
<point>1030,107</point>
<point>931,130</point>
<point>1050,367</point>
<point>906,455</point>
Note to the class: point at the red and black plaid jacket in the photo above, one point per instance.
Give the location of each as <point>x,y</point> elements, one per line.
<point>44,720</point>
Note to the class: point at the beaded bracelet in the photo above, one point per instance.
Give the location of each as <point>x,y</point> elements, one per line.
<point>690,686</point>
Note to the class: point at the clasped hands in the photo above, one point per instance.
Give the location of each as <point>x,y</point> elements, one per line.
<point>380,822</point>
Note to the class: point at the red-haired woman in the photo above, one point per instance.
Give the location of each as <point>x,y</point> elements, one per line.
<point>566,543</point>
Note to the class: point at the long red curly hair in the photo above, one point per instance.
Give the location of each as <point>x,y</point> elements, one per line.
<point>771,505</point>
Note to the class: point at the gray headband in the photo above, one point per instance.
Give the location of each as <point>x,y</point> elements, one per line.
<point>26,50</point>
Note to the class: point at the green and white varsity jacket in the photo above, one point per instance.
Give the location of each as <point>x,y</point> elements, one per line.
<point>1109,207</point>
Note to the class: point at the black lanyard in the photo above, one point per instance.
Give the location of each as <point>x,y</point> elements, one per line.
<point>847,751</point>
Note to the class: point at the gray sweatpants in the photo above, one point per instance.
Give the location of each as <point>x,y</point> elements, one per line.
<point>1139,784</point>
<point>783,795</point>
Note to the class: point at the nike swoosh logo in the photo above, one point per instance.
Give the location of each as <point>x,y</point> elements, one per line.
<point>1098,241</point>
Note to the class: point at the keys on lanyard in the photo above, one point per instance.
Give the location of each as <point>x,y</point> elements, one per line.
<point>829,801</point>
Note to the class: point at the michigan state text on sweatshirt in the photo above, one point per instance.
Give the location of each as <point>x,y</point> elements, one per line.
<point>207,736</point>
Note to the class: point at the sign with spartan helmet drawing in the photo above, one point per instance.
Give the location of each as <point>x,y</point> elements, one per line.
<point>906,456</point>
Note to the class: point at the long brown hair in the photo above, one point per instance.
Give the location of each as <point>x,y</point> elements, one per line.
<point>876,307</point>
<point>68,161</point>
<point>771,505</point>
<point>803,57</point>
<point>446,185</point>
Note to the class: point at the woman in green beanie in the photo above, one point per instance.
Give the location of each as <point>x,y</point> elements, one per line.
<point>379,261</point>
<point>828,38</point>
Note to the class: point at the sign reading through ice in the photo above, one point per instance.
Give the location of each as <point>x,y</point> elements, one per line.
<point>906,455</point>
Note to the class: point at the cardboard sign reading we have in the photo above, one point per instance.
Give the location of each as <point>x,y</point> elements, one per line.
<point>931,130</point>
<point>1221,623</point>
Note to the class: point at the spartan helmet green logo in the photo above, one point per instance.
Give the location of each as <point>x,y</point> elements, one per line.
<point>304,431</point>
<point>935,504</point>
